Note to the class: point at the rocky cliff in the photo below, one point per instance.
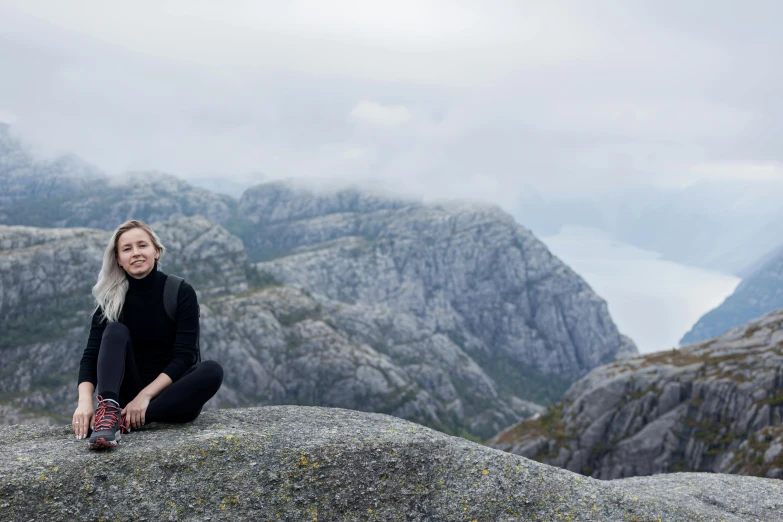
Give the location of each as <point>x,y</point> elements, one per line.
<point>302,463</point>
<point>760,292</point>
<point>715,406</point>
<point>466,270</point>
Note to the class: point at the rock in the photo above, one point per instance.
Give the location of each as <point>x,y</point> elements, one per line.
<point>465,269</point>
<point>304,463</point>
<point>773,452</point>
<point>212,259</point>
<point>715,406</point>
<point>11,415</point>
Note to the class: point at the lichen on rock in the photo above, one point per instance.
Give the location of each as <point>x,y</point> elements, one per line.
<point>309,463</point>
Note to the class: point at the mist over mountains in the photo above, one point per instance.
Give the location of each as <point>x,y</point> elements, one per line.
<point>449,314</point>
<point>722,224</point>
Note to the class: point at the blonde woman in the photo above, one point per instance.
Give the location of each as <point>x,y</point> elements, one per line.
<point>143,364</point>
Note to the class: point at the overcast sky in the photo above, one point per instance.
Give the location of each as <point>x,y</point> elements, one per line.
<point>452,98</point>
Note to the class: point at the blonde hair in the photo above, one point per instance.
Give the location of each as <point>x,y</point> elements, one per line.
<point>112,285</point>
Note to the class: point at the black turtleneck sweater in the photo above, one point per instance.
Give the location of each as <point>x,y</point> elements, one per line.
<point>160,345</point>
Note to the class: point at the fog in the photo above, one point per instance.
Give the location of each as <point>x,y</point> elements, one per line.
<point>449,99</point>
<point>653,301</point>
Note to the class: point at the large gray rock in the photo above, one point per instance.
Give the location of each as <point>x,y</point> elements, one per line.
<point>467,270</point>
<point>716,406</point>
<point>46,276</point>
<point>300,463</point>
<point>282,345</point>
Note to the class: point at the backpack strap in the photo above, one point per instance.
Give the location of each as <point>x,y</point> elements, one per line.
<point>170,293</point>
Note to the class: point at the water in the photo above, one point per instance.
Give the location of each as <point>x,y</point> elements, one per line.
<point>651,300</point>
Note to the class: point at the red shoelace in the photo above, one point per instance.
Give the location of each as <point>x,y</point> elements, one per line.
<point>107,414</point>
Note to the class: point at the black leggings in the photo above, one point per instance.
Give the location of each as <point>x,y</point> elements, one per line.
<point>119,379</point>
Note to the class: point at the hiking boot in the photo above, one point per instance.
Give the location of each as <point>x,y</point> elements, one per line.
<point>108,427</point>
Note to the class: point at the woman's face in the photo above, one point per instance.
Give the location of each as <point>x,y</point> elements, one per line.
<point>136,253</point>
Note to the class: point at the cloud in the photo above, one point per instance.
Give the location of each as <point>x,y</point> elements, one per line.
<point>353,153</point>
<point>381,115</point>
<point>749,171</point>
<point>7,117</point>
<point>441,98</point>
<point>435,42</point>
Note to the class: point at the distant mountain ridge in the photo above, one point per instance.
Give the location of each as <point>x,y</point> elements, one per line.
<point>759,293</point>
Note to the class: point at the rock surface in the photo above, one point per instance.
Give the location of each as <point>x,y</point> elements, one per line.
<point>467,270</point>
<point>303,463</point>
<point>716,406</point>
<point>759,293</point>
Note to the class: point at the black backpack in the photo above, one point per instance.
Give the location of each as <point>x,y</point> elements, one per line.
<point>170,292</point>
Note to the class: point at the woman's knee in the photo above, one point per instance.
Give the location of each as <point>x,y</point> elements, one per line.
<point>212,372</point>
<point>116,330</point>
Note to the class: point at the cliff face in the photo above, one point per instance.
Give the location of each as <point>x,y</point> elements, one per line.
<point>278,344</point>
<point>716,406</point>
<point>759,293</point>
<point>303,463</point>
<point>467,271</point>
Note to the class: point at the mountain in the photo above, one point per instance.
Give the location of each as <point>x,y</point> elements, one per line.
<point>281,343</point>
<point>278,344</point>
<point>716,406</point>
<point>448,314</point>
<point>303,463</point>
<point>759,293</point>
<point>466,270</point>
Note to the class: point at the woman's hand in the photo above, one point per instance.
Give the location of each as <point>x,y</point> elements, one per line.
<point>83,418</point>
<point>136,410</point>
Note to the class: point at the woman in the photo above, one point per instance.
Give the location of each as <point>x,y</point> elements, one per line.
<point>143,364</point>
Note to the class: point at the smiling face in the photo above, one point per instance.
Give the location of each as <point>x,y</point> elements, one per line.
<point>136,252</point>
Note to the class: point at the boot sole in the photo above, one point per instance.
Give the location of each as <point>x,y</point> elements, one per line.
<point>102,443</point>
